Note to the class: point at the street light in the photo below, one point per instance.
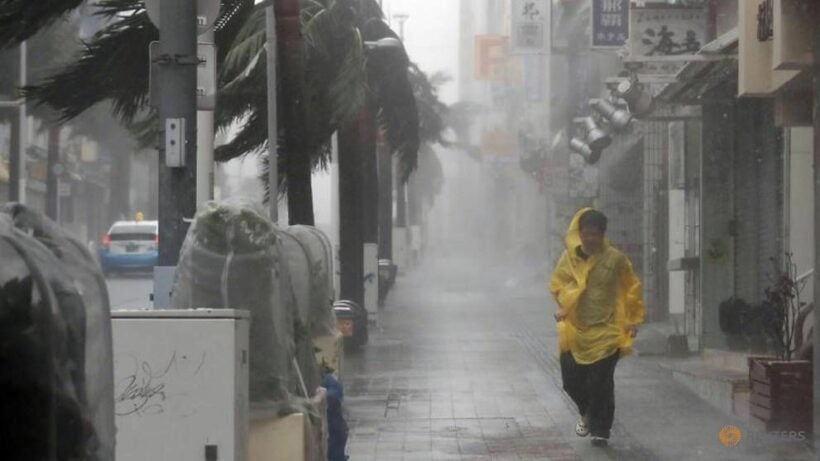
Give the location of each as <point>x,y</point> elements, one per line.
<point>273,132</point>
<point>386,43</point>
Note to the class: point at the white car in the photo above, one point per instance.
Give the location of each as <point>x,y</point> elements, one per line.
<point>130,245</point>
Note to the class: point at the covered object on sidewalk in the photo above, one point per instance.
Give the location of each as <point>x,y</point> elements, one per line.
<point>234,257</point>
<point>56,343</point>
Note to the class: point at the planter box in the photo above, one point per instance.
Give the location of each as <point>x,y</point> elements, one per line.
<point>781,393</point>
<point>291,437</point>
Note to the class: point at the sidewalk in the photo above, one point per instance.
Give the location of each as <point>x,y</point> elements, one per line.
<point>463,366</point>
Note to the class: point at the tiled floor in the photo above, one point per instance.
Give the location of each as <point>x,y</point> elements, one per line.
<point>462,368</point>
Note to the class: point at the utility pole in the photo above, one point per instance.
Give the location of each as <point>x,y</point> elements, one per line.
<point>816,119</point>
<point>178,63</point>
<point>205,143</point>
<point>399,239</point>
<point>17,154</point>
<point>385,166</point>
<point>273,130</point>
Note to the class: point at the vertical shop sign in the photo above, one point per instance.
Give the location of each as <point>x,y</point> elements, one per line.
<point>610,23</point>
<point>530,26</point>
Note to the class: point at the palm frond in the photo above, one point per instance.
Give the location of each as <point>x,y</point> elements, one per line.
<point>114,65</point>
<point>248,41</point>
<point>432,112</point>
<point>398,113</point>
<point>430,174</point>
<point>22,19</point>
<point>247,141</point>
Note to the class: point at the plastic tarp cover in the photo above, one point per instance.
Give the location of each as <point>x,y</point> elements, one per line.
<point>88,279</point>
<point>42,349</point>
<point>295,272</point>
<point>321,320</point>
<point>230,260</point>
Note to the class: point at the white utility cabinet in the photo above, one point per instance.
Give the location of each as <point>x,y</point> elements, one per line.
<point>181,384</point>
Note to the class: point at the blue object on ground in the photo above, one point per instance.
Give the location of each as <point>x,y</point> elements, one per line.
<point>336,425</point>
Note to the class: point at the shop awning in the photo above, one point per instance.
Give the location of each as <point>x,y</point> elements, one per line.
<point>698,79</point>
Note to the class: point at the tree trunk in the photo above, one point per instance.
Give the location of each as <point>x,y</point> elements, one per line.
<point>298,165</point>
<point>352,147</point>
<point>413,200</point>
<point>370,175</point>
<point>53,173</point>
<point>401,201</point>
<point>385,160</point>
<point>816,119</point>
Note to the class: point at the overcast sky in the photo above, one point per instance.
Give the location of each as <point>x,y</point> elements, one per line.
<point>431,36</point>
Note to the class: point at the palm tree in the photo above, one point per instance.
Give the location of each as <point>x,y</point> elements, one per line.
<point>112,67</point>
<point>52,46</point>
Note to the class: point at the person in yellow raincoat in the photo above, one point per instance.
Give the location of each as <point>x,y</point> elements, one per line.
<point>599,310</point>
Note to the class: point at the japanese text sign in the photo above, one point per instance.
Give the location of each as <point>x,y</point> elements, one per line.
<point>530,26</point>
<point>666,32</point>
<point>610,23</point>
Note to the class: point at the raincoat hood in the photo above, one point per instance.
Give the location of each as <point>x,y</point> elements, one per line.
<point>572,239</point>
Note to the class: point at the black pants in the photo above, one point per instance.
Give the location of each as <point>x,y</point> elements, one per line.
<point>592,388</point>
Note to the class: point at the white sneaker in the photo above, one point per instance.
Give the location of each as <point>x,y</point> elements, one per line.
<point>581,429</point>
<point>599,441</point>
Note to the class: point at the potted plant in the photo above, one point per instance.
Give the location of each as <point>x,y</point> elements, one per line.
<point>781,386</point>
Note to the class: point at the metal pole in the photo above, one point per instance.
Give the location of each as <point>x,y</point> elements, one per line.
<point>273,132</point>
<point>816,342</point>
<point>53,172</point>
<point>401,186</point>
<point>351,213</point>
<point>205,146</point>
<point>17,157</point>
<point>385,165</point>
<point>177,185</point>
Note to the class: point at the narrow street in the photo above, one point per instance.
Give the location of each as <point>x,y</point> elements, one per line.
<point>463,366</point>
<point>130,291</point>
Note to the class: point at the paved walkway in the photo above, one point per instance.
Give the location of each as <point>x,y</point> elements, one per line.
<point>463,366</point>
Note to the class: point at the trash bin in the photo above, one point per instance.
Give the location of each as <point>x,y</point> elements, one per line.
<point>387,277</point>
<point>351,321</point>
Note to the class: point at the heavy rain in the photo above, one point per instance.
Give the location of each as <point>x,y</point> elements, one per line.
<point>372,230</point>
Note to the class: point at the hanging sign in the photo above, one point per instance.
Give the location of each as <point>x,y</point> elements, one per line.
<point>666,32</point>
<point>530,27</point>
<point>610,23</point>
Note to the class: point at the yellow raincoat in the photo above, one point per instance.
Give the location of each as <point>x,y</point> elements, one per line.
<point>601,297</point>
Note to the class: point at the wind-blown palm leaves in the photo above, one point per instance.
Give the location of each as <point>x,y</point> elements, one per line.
<point>432,112</point>
<point>114,65</point>
<point>22,19</point>
<point>334,74</point>
<point>388,76</point>
<point>432,126</point>
<point>47,51</point>
<point>338,77</point>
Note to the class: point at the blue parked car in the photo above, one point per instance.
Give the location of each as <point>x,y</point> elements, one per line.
<point>130,245</point>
